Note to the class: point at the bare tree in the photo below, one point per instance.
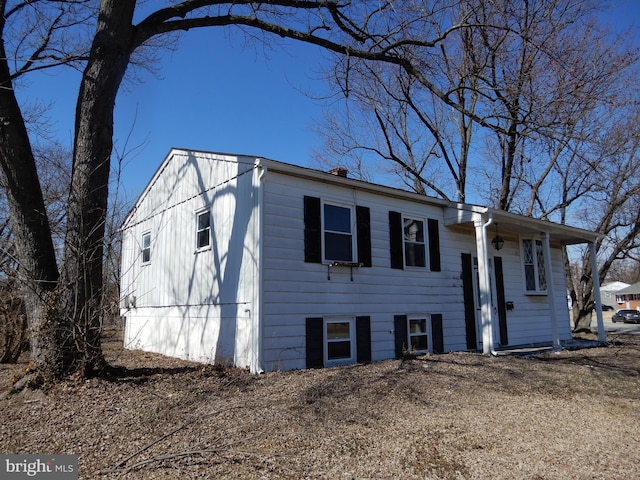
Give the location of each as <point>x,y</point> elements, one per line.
<point>384,103</point>
<point>13,324</point>
<point>65,309</point>
<point>626,270</point>
<point>54,167</point>
<point>519,80</point>
<point>548,68</point>
<point>564,88</point>
<point>391,115</point>
<point>612,208</point>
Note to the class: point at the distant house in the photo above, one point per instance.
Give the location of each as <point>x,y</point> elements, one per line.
<point>266,265</point>
<point>629,297</point>
<point>608,294</point>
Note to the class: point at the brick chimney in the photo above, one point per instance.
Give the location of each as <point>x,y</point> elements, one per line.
<point>339,172</point>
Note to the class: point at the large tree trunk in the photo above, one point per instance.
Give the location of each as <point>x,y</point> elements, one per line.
<point>48,332</point>
<point>583,306</point>
<point>64,310</point>
<point>580,287</point>
<point>82,278</point>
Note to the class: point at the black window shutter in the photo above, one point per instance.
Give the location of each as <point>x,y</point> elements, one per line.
<point>469,304</point>
<point>500,298</point>
<point>434,245</point>
<point>312,230</point>
<point>363,226</point>
<point>363,339</point>
<point>315,343</point>
<point>437,333</point>
<point>400,327</point>
<point>395,240</point>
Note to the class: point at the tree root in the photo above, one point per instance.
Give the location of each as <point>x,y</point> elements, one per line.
<point>28,379</point>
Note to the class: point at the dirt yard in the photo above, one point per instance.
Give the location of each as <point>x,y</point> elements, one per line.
<point>566,415</point>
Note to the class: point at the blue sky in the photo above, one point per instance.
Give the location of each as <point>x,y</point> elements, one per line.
<point>213,94</point>
<point>218,96</point>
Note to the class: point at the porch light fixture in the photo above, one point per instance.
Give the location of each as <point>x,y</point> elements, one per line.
<point>498,241</point>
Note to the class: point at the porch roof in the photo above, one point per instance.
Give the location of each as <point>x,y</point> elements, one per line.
<point>510,224</point>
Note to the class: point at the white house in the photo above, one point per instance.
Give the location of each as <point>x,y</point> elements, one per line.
<point>608,293</point>
<point>266,265</point>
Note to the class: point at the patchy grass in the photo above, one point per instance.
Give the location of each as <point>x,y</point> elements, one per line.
<point>572,414</point>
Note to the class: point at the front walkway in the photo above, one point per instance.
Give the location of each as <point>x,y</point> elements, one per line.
<point>536,348</point>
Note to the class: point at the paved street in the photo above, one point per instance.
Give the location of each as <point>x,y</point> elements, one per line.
<point>610,327</point>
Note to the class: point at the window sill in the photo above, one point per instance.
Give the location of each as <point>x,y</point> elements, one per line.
<point>200,250</point>
<point>344,264</point>
<point>417,352</point>
<point>339,363</point>
<point>414,268</point>
<point>536,294</point>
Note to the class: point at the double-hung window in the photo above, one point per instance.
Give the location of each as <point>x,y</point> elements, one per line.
<point>418,334</point>
<point>146,248</point>
<point>339,347</point>
<point>414,242</point>
<point>338,235</point>
<point>535,276</point>
<point>337,340</point>
<point>336,232</point>
<point>203,229</point>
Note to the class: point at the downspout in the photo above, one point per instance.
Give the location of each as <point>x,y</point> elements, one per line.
<point>485,288</point>
<point>257,367</point>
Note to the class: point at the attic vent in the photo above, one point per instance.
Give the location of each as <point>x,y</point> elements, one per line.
<point>339,171</point>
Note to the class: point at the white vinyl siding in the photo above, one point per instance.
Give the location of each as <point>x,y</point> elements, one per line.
<point>197,307</point>
<point>529,321</point>
<point>295,290</point>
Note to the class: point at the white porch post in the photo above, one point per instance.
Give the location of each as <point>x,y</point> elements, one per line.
<point>596,291</point>
<point>550,290</point>
<point>484,283</point>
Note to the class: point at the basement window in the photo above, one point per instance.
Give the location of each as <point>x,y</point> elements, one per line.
<point>418,335</point>
<point>339,348</point>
